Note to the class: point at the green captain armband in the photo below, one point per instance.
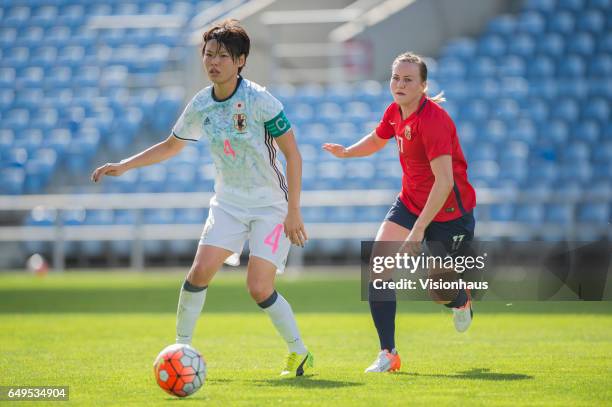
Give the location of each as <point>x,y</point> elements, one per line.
<point>278,126</point>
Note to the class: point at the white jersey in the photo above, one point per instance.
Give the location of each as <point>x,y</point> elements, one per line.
<point>241,131</point>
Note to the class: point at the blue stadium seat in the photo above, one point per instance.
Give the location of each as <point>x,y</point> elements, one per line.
<point>594,213</point>
<point>592,21</point>
<point>572,66</point>
<point>587,130</point>
<point>566,109</point>
<point>486,171</point>
<point>599,190</point>
<point>603,152</point>
<point>492,46</point>
<point>602,5</point>
<point>451,68</point>
<point>600,66</point>
<point>357,110</point>
<point>190,215</point>
<point>59,139</point>
<point>573,5</point>
<point>339,92</point>
<point>463,48</point>
<point>605,42</point>
<point>560,214</point>
<point>597,109</point>
<point>340,214</point>
<point>484,151</point>
<point>536,189</point>
<point>603,171</point>
<point>543,172</point>
<point>504,25</point>
<point>522,45</point>
<point>13,180</point>
<point>541,67</point>
<point>501,212</point>
<point>532,214</point>
<point>566,191</point>
<point>506,109</point>
<point>579,171</point>
<point>153,179</point>
<point>368,90</point>
<point>531,22</point>
<point>483,67</point>
<point>314,214</point>
<point>562,22</point>
<point>329,112</point>
<point>576,152</point>
<point>476,110</point>
<point>181,177</point>
<point>540,5</point>
<point>514,151</point>
<point>512,66</point>
<point>581,44</point>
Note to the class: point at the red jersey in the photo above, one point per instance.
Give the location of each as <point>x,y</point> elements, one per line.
<point>428,133</point>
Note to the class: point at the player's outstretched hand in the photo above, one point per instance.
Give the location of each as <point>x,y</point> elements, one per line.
<point>294,228</point>
<point>110,169</point>
<point>336,149</point>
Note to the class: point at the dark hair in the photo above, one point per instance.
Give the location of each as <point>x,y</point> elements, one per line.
<point>420,62</point>
<point>232,36</point>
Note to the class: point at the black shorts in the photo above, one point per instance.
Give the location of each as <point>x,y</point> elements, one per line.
<point>442,238</point>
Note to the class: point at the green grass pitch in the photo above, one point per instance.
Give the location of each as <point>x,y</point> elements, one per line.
<point>99,333</point>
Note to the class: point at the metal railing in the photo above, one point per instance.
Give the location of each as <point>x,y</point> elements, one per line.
<point>141,231</point>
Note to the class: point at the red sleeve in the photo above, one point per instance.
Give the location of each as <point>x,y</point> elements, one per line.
<point>437,132</point>
<point>384,129</point>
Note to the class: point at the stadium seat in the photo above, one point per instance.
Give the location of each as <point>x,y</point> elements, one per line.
<point>501,212</point>
<point>540,5</point>
<point>591,21</point>
<point>597,109</point>
<point>560,214</point>
<point>594,213</point>
<point>581,44</point>
<point>532,214</point>
<point>463,48</point>
<point>573,5</point>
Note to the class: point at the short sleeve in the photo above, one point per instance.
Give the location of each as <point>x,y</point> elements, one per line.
<point>437,134</point>
<point>189,124</point>
<point>384,129</point>
<point>270,111</point>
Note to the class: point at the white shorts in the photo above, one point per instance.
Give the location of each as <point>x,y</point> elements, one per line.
<point>229,226</point>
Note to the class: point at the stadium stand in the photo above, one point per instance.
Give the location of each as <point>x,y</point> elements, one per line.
<point>530,97</point>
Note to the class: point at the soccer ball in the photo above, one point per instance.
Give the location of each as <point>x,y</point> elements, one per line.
<point>180,370</point>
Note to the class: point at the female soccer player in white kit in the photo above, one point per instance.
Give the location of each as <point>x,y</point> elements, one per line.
<point>244,124</point>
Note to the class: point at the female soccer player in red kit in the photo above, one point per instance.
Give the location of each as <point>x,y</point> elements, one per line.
<point>436,200</point>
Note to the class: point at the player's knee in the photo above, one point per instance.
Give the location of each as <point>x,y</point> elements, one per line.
<point>201,273</point>
<point>259,290</point>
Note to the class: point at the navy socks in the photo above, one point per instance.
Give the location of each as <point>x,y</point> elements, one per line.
<point>459,301</point>
<point>383,305</point>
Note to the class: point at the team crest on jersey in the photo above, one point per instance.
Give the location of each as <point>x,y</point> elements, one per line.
<point>408,133</point>
<point>240,122</point>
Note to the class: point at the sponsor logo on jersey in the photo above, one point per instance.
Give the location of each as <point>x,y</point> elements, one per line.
<point>408,133</point>
<point>206,121</point>
<point>240,122</point>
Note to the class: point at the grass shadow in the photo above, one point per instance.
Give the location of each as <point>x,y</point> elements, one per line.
<point>305,382</point>
<point>476,374</point>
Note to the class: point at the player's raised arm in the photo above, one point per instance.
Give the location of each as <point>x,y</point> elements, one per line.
<point>294,225</point>
<point>152,155</point>
<point>363,148</point>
